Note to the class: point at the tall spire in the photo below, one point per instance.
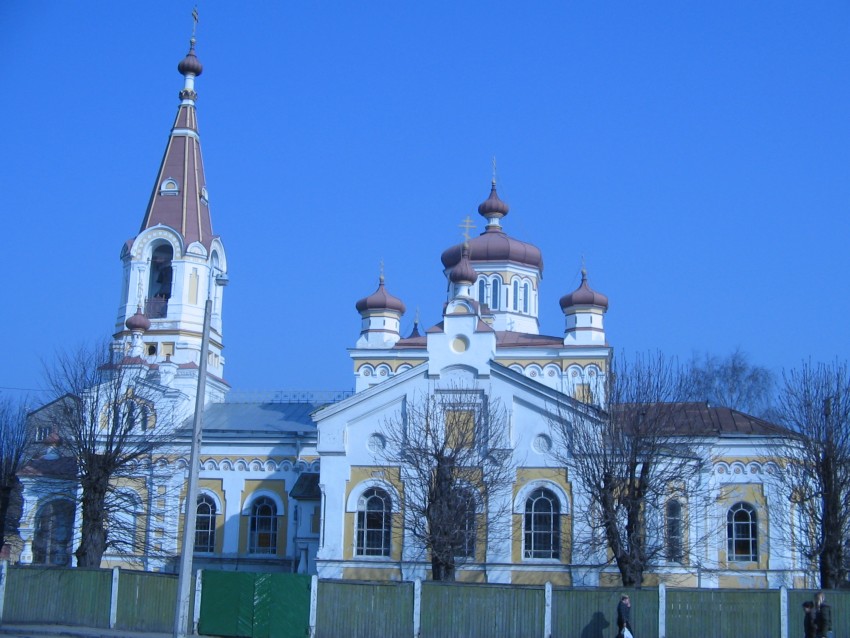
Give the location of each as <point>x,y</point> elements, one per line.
<point>179,198</point>
<point>172,265</point>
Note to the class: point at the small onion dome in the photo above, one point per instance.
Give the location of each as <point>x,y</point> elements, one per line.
<point>190,64</point>
<point>584,296</point>
<point>380,300</point>
<point>138,322</point>
<point>493,207</point>
<point>463,272</point>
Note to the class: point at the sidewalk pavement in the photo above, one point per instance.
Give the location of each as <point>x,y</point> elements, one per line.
<point>76,632</point>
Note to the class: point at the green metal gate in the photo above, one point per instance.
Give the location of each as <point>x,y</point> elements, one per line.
<point>255,605</point>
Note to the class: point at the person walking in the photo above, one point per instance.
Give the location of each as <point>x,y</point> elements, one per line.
<point>624,617</point>
<point>823,617</point>
<point>809,619</point>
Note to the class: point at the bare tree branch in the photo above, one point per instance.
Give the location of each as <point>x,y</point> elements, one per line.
<point>456,466</point>
<point>112,419</point>
<point>629,458</point>
<point>15,437</point>
<point>732,382</point>
<point>814,403</point>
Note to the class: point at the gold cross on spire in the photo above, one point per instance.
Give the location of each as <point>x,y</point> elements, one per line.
<point>467,225</point>
<point>381,276</point>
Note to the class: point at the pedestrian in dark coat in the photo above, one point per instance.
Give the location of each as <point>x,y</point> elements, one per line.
<point>624,616</point>
<point>809,619</point>
<point>823,616</point>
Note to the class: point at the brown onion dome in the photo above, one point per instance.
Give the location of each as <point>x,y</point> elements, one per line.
<point>495,245</point>
<point>584,296</point>
<point>381,300</point>
<point>190,64</point>
<point>138,322</point>
<point>493,207</point>
<point>463,272</point>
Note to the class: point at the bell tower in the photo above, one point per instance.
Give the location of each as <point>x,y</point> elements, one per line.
<point>172,265</point>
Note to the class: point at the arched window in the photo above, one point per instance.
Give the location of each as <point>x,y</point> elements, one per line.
<point>494,294</point>
<point>53,526</point>
<point>542,525</point>
<point>374,523</point>
<point>468,509</point>
<point>205,523</point>
<point>742,533</point>
<point>525,297</point>
<point>674,538</point>
<point>136,415</point>
<point>159,285</point>
<point>482,291</point>
<point>262,538</point>
<point>516,294</point>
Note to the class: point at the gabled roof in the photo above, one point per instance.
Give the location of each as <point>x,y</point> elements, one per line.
<point>271,418</point>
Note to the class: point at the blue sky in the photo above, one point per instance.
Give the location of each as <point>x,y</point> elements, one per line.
<point>695,154</point>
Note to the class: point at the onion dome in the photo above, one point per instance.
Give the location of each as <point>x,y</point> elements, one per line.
<point>463,272</point>
<point>494,244</point>
<point>381,300</point>
<point>493,207</point>
<point>138,322</point>
<point>190,64</point>
<point>584,296</point>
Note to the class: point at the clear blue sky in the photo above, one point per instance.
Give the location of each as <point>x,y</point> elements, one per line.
<point>696,155</point>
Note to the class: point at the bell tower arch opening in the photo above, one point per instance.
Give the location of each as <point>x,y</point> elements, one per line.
<point>159,284</point>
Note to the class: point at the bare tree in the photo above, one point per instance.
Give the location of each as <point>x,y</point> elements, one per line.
<point>456,467</point>
<point>15,437</point>
<point>112,420</point>
<point>733,382</point>
<point>814,403</point>
<point>629,457</point>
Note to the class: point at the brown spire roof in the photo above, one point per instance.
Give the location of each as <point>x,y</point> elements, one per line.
<point>179,197</point>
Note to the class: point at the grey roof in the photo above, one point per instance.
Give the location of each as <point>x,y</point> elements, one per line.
<point>307,488</point>
<point>272,418</point>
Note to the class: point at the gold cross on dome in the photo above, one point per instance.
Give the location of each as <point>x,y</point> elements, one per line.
<point>194,20</point>
<point>467,225</point>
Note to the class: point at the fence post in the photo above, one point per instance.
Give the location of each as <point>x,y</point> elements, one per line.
<point>4,575</point>
<point>783,612</point>
<point>547,618</point>
<point>196,611</point>
<point>314,599</point>
<point>417,607</point>
<point>113,598</point>
<point>662,610</point>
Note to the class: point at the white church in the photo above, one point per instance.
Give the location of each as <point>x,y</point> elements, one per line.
<point>297,483</point>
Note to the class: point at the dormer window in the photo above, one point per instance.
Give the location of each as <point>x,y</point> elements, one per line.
<point>169,187</point>
<point>204,196</point>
